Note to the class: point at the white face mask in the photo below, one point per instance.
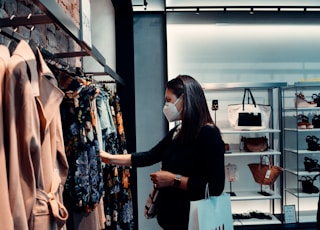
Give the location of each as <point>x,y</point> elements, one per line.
<point>171,112</point>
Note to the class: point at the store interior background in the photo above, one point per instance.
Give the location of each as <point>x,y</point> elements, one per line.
<point>242,47</point>
<point>239,47</point>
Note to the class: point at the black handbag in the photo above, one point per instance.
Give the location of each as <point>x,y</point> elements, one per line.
<point>249,119</point>
<point>249,116</point>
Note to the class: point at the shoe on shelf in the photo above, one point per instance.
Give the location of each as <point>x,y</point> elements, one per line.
<point>303,122</point>
<point>307,184</point>
<point>260,215</point>
<point>311,165</point>
<point>313,144</point>
<point>316,98</point>
<point>301,102</point>
<point>316,121</point>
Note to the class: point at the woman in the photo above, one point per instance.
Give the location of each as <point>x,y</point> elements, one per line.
<point>191,154</point>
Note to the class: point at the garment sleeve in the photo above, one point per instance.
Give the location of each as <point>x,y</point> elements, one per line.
<point>141,159</point>
<point>211,153</point>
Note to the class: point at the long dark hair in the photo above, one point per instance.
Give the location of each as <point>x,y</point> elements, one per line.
<point>195,113</point>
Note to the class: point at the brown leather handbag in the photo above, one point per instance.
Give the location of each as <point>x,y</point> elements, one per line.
<point>265,173</point>
<point>255,144</point>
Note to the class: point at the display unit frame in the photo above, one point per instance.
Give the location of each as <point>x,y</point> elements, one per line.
<point>295,148</point>
<point>247,195</point>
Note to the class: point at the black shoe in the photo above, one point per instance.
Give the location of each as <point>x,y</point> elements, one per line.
<point>307,184</point>
<point>311,165</point>
<point>260,215</point>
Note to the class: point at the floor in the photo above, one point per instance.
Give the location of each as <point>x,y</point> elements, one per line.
<point>304,226</point>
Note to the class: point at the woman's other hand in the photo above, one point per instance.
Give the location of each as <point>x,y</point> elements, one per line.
<point>162,178</point>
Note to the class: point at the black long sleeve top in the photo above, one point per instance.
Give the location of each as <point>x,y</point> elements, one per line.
<point>202,161</point>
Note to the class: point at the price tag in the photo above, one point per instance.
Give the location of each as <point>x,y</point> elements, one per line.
<point>290,214</point>
<point>268,173</point>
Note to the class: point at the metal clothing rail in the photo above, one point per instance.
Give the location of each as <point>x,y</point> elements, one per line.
<point>11,34</point>
<point>54,14</point>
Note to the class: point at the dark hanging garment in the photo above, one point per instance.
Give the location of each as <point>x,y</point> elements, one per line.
<point>118,196</point>
<point>84,185</point>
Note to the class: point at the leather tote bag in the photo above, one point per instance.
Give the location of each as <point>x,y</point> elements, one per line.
<point>255,144</point>
<point>213,212</point>
<point>265,173</point>
<point>249,116</point>
<point>150,208</point>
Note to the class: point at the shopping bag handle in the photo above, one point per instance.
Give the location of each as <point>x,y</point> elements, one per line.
<point>244,96</point>
<point>207,193</point>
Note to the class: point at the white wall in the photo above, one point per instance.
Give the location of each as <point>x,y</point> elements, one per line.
<point>243,52</point>
<point>103,37</point>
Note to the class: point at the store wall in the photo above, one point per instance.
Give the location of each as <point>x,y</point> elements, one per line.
<point>150,78</point>
<point>103,36</point>
<point>244,52</point>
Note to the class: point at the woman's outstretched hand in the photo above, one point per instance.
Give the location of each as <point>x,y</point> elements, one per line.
<point>106,157</point>
<point>116,159</point>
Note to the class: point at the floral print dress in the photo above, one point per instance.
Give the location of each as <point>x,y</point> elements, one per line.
<point>118,197</point>
<point>84,186</point>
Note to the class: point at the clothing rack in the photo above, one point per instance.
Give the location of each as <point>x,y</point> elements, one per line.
<point>47,55</point>
<point>53,59</point>
<point>52,13</point>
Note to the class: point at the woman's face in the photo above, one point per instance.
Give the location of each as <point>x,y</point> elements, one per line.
<point>172,98</point>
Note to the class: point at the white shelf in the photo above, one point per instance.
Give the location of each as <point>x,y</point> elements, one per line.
<point>301,109</point>
<point>254,195</point>
<point>301,151</point>
<point>302,130</point>
<point>308,216</point>
<point>296,192</point>
<point>301,172</point>
<point>233,131</point>
<point>254,221</point>
<point>237,153</point>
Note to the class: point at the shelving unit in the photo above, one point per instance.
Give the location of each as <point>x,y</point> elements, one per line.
<point>52,13</point>
<point>247,197</point>
<point>295,150</point>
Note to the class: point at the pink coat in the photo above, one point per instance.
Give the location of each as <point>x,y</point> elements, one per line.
<point>5,216</point>
<point>35,149</point>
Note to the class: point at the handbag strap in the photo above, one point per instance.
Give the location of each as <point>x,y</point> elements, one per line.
<point>207,192</point>
<point>267,162</point>
<point>249,95</point>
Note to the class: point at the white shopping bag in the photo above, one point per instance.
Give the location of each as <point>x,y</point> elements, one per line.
<point>211,213</point>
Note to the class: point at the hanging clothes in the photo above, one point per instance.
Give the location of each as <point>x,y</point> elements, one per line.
<point>37,165</point>
<point>118,195</point>
<point>107,125</point>
<point>54,165</point>
<point>84,186</point>
<point>6,221</point>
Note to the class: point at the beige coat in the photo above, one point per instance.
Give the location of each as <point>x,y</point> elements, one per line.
<point>37,162</point>
<point>5,215</point>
